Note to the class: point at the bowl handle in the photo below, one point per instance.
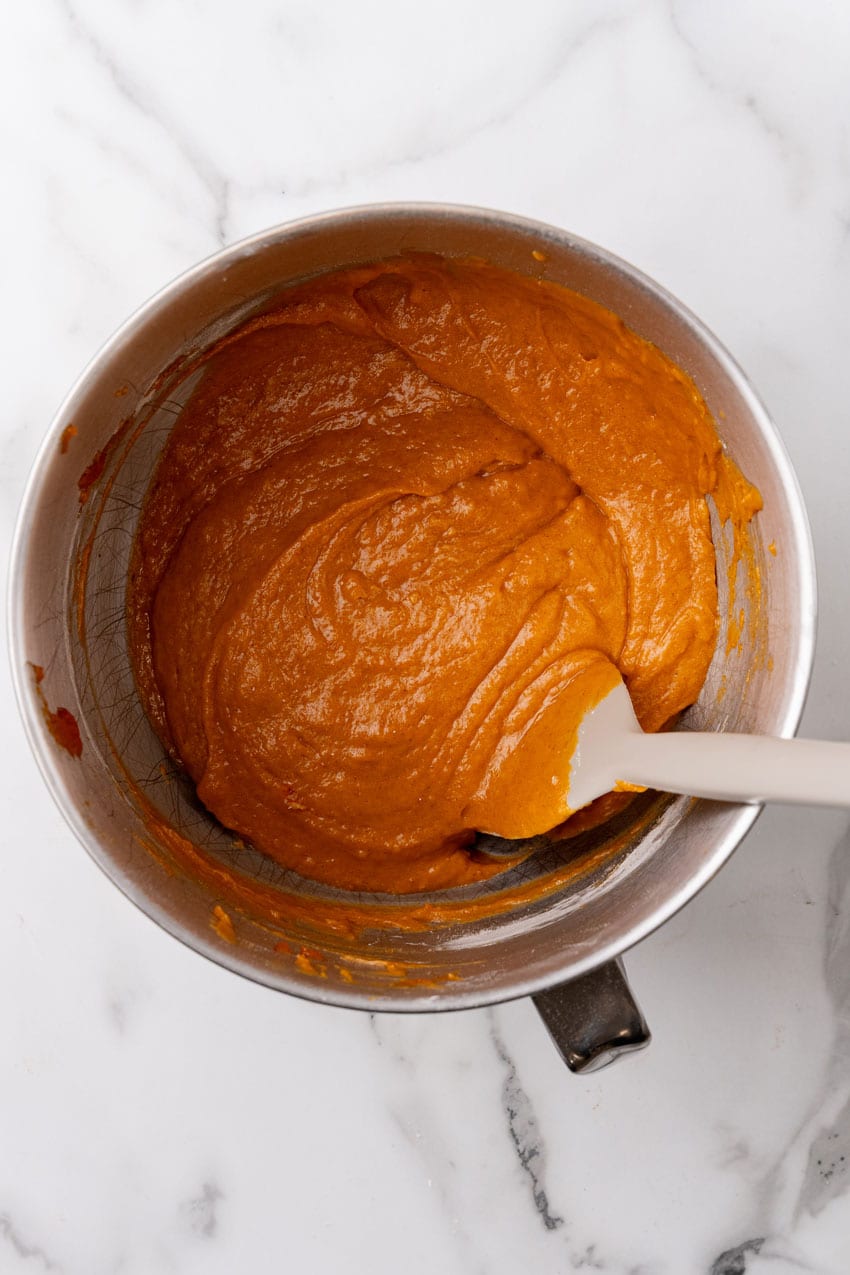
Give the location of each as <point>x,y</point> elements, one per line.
<point>594,1019</point>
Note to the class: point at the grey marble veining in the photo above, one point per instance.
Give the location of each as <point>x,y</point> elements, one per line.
<point>525,1133</point>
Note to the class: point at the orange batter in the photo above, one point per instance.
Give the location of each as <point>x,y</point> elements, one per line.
<point>402,531</point>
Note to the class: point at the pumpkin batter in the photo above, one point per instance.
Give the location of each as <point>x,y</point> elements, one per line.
<point>406,528</point>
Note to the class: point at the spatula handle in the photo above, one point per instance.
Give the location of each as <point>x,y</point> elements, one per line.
<point>748,768</point>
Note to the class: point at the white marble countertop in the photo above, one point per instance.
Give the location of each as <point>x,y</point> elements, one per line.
<point>158,1114</point>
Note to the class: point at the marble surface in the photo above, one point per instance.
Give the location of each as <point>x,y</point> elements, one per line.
<point>158,1114</point>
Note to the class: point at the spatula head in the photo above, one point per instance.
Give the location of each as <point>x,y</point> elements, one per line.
<point>598,765</point>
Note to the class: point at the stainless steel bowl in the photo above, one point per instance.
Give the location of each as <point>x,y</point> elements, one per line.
<point>614,886</point>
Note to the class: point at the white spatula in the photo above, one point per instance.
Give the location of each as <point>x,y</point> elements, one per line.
<point>612,748</point>
<point>612,751</point>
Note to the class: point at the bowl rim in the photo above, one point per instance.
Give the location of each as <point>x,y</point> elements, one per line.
<point>452,997</point>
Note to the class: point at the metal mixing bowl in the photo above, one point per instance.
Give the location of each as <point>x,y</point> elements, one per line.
<point>121,796</point>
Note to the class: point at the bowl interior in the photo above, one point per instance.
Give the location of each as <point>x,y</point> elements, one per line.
<point>572,905</point>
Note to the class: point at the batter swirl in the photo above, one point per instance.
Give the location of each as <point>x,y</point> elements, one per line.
<point>403,530</point>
